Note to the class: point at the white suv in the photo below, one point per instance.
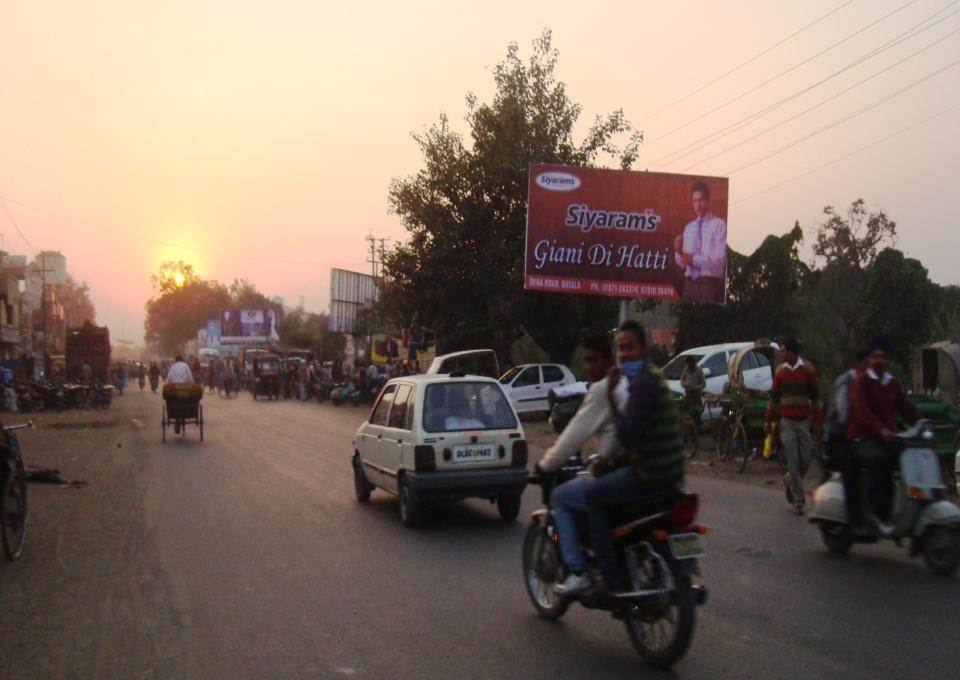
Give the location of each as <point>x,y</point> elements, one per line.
<point>442,437</point>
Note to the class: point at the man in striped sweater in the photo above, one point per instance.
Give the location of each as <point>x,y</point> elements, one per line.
<point>795,400</point>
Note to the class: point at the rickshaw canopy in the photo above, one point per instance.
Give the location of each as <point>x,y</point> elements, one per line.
<point>735,366</point>
<point>936,371</point>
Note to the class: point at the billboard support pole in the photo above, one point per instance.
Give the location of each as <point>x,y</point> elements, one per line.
<point>624,303</point>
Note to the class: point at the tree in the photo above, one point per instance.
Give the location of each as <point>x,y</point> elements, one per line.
<point>899,304</point>
<point>306,330</point>
<point>461,272</point>
<point>855,241</point>
<point>77,304</point>
<point>182,304</point>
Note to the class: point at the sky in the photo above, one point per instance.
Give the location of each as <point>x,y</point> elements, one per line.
<point>258,140</point>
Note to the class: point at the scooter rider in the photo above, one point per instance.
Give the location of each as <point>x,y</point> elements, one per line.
<point>649,431</point>
<point>594,417</point>
<point>877,399</point>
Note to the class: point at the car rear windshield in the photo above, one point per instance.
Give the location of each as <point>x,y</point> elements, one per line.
<point>459,406</point>
<point>674,368</point>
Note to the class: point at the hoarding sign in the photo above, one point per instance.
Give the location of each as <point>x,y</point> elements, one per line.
<point>626,234</point>
<point>213,333</point>
<point>248,326</point>
<point>350,292</point>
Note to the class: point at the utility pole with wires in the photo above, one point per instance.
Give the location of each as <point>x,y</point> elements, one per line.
<point>377,250</point>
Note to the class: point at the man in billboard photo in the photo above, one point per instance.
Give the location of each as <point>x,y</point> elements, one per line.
<point>702,251</point>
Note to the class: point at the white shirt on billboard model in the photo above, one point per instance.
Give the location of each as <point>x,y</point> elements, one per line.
<point>710,258</point>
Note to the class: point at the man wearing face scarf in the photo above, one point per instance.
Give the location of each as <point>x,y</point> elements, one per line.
<point>649,431</point>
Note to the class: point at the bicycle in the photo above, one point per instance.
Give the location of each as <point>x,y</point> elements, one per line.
<point>13,493</point>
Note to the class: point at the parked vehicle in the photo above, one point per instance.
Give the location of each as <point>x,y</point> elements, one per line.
<point>714,361</point>
<point>528,386</point>
<point>442,437</point>
<point>936,394</point>
<point>481,362</point>
<point>564,402</point>
<point>921,513</point>
<point>658,543</point>
<point>13,493</point>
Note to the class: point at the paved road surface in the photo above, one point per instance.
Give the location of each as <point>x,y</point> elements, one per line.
<point>274,570</point>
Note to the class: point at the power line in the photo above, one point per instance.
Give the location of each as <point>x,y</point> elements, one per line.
<point>716,135</point>
<point>782,73</point>
<point>843,119</point>
<point>746,63</point>
<point>14,223</point>
<point>825,101</point>
<point>847,155</point>
<point>162,242</point>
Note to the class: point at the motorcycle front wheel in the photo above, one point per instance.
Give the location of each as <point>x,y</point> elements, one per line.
<point>940,548</point>
<point>541,572</point>
<point>661,632</point>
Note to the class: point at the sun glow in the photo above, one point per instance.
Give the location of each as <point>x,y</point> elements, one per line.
<point>178,277</point>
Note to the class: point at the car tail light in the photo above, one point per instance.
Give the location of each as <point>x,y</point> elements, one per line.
<point>519,453</point>
<point>684,510</point>
<point>424,458</point>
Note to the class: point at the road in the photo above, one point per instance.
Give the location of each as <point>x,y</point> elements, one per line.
<point>271,568</point>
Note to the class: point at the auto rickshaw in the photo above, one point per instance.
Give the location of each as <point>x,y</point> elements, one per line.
<point>266,376</point>
<point>936,394</point>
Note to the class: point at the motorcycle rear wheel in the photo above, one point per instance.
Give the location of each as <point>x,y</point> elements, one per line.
<point>664,640</point>
<point>13,514</point>
<point>836,537</point>
<point>542,592</point>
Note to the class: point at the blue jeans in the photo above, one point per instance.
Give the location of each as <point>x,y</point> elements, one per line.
<point>570,498</point>
<point>619,487</point>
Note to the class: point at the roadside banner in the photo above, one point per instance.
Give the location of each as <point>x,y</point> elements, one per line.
<point>626,234</point>
<point>248,326</point>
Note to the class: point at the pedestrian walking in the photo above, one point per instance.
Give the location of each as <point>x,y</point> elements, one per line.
<point>795,401</point>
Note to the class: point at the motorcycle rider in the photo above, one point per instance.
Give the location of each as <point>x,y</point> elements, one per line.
<point>649,431</point>
<point>877,399</point>
<point>594,417</point>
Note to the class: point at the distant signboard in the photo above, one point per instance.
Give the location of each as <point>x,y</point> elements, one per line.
<point>248,326</point>
<point>626,234</point>
<point>213,332</point>
<point>349,293</point>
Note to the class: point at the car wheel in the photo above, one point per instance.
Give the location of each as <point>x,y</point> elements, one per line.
<point>508,504</point>
<point>410,512</point>
<point>360,483</point>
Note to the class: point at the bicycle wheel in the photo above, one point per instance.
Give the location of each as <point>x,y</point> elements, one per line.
<point>691,437</point>
<point>721,440</point>
<point>739,453</point>
<point>13,514</point>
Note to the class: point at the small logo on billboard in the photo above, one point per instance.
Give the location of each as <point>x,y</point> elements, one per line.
<point>558,181</point>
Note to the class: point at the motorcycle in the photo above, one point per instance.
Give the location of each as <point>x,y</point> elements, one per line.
<point>658,544</point>
<point>921,512</point>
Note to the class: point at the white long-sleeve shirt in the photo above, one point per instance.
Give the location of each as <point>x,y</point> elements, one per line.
<point>180,373</point>
<point>710,259</point>
<point>592,418</point>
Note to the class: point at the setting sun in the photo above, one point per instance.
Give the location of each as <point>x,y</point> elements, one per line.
<point>178,277</point>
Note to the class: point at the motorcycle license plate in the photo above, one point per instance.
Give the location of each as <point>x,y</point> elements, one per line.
<point>470,454</point>
<point>685,546</point>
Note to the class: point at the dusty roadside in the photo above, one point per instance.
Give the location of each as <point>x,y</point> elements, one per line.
<point>86,598</point>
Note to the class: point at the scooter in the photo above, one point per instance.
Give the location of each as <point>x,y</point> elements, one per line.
<point>921,512</point>
<point>658,543</point>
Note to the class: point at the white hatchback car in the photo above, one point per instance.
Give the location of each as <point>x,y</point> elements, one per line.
<point>529,385</point>
<point>442,437</point>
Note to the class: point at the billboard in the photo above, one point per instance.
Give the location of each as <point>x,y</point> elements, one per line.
<point>248,326</point>
<point>213,333</point>
<point>626,234</point>
<point>349,293</point>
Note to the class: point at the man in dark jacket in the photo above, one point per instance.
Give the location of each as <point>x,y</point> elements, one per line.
<point>876,400</point>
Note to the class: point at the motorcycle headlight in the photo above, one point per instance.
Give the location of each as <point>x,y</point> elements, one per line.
<point>926,432</point>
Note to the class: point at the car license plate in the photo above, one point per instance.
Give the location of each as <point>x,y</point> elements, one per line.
<point>685,546</point>
<point>470,454</point>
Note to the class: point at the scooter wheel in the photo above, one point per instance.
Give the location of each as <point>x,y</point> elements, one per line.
<point>940,547</point>
<point>836,537</point>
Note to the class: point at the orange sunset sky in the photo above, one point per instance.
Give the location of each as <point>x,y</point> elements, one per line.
<point>230,134</point>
